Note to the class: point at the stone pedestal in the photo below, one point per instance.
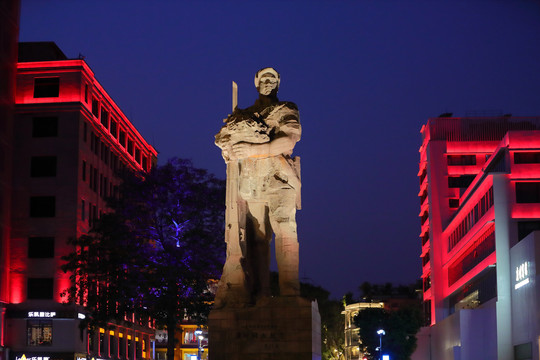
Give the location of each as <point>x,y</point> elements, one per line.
<point>279,328</point>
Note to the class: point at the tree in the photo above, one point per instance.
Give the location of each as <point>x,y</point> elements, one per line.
<point>400,327</point>
<point>332,322</point>
<point>375,292</point>
<point>156,252</point>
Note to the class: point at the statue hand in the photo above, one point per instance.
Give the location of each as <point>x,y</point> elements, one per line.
<point>242,150</point>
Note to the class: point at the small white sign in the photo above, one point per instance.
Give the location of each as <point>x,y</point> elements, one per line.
<point>522,275</point>
<point>41,314</point>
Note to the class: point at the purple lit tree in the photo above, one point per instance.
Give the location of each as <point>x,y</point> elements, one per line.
<point>157,252</point>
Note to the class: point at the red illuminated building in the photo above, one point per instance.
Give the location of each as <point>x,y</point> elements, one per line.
<point>70,141</point>
<point>479,214</point>
<point>9,33</point>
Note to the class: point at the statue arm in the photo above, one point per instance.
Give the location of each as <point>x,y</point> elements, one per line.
<point>282,143</point>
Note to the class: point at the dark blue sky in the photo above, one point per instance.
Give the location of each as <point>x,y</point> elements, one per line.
<point>365,74</point>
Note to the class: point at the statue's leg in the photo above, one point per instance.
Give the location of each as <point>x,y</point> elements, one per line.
<point>283,219</point>
<point>259,237</point>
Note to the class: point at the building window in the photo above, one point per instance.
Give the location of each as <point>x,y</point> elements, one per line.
<point>527,158</point>
<point>423,176</point>
<point>105,186</point>
<point>90,217</point>
<point>91,175</point>
<point>40,247</point>
<point>92,141</point>
<point>425,259</point>
<point>42,206</point>
<point>92,214</point>
<point>86,93</point>
<point>144,348</point>
<point>523,351</point>
<point>83,210</point>
<point>145,163</point>
<point>39,332</point>
<point>40,288</point>
<point>91,342</point>
<point>427,313</point>
<point>101,185</point>
<point>113,351</point>
<point>460,181</point>
<point>425,238</point>
<point>461,160</point>
<point>527,192</point>
<point>97,144</point>
<point>104,153</point>
<point>95,184</point>
<point>478,290</point>
<point>114,128</point>
<point>424,218</point>
<point>130,348</point>
<point>121,345</point>
<point>95,107</point>
<point>102,350</point>
<point>130,148</point>
<point>43,166</point>
<point>482,248</point>
<point>46,87</point>
<point>426,283</point>
<point>83,170</point>
<point>137,348</point>
<point>122,138</point>
<point>189,337</point>
<point>104,118</point>
<point>527,227</point>
<point>45,126</point>
<point>453,203</point>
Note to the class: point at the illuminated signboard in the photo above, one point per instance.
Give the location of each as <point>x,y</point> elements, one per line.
<point>41,314</point>
<point>23,357</point>
<point>522,275</point>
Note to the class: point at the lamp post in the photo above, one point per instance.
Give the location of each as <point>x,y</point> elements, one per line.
<point>198,334</point>
<point>380,332</point>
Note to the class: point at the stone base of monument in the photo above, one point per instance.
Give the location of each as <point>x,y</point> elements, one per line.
<point>278,328</point>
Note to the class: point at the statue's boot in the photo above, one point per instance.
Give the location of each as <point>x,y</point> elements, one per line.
<point>231,288</point>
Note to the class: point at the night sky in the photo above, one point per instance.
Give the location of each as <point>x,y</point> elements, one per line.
<point>365,75</point>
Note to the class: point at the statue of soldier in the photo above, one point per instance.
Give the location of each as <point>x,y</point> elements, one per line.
<point>263,193</point>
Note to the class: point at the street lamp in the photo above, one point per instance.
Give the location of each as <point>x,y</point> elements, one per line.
<point>198,334</point>
<point>380,332</point>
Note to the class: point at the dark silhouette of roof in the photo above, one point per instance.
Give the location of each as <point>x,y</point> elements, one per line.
<point>40,51</point>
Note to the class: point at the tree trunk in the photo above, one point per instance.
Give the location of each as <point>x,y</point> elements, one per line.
<point>171,327</point>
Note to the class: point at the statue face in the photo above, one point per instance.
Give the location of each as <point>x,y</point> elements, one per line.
<point>267,84</point>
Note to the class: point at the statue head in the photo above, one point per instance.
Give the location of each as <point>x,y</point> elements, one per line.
<point>267,81</point>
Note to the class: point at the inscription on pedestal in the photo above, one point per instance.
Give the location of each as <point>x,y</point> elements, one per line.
<point>283,328</point>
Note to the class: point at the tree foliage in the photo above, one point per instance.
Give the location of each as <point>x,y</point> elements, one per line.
<point>400,327</point>
<point>332,321</point>
<point>376,292</point>
<point>156,252</point>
